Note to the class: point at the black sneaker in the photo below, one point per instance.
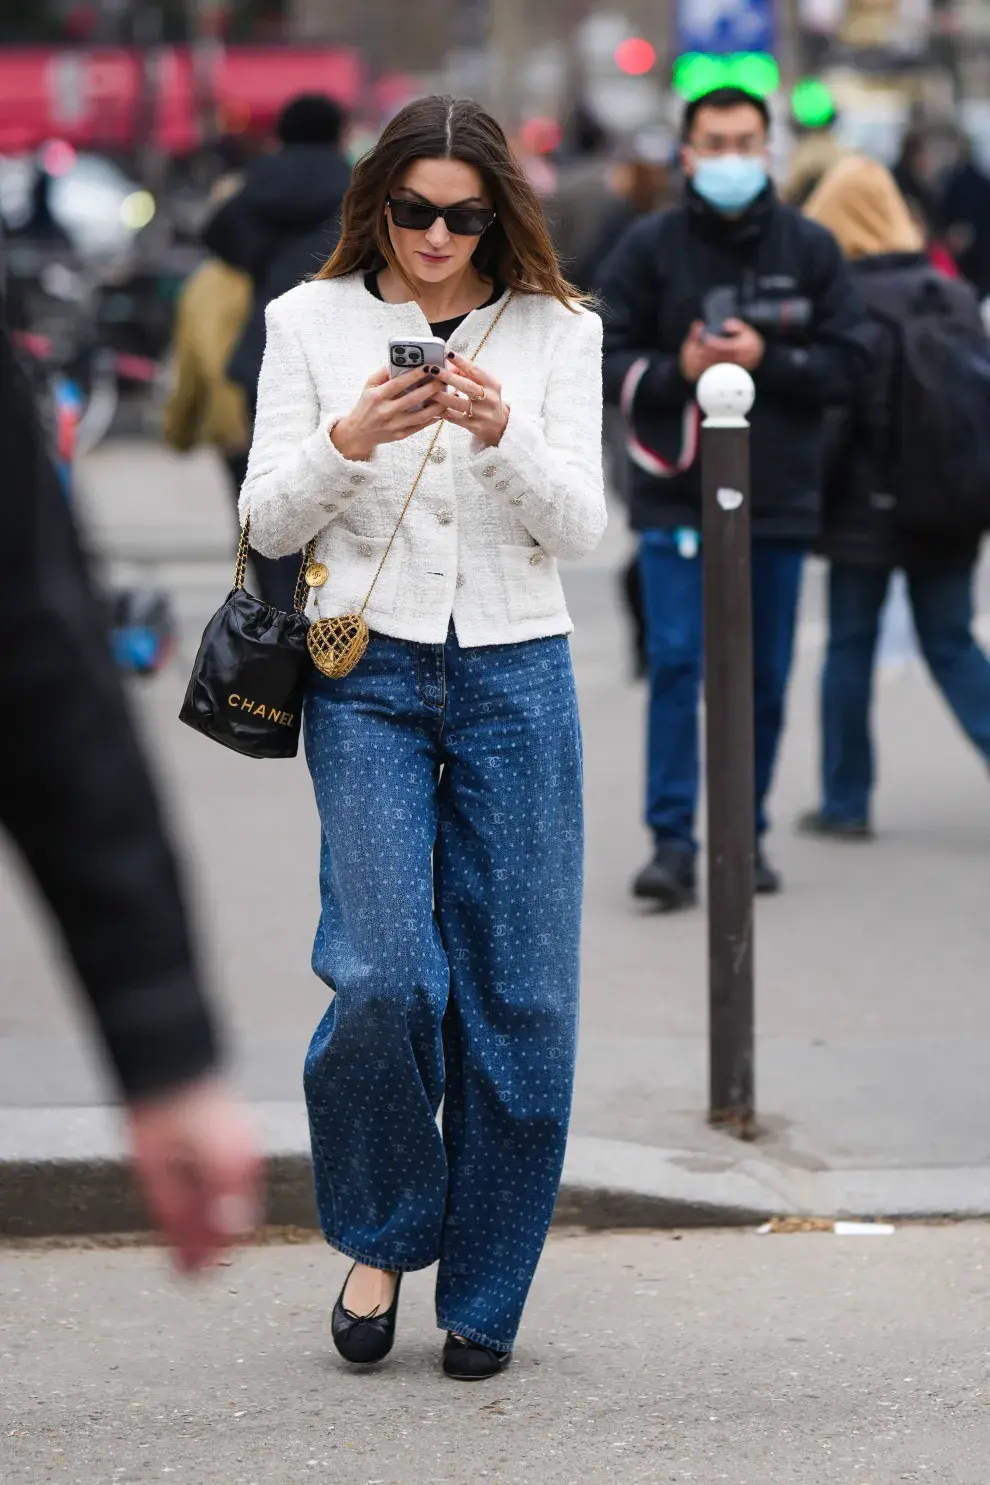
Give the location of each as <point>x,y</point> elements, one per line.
<point>669,880</point>
<point>767,881</point>
<point>815,823</point>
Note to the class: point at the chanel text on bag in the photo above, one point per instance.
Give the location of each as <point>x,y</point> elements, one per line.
<point>259,709</point>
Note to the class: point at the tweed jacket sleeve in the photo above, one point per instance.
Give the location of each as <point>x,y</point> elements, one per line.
<point>296,477</point>
<point>549,469</point>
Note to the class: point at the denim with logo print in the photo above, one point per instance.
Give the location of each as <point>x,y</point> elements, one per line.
<point>449,786</point>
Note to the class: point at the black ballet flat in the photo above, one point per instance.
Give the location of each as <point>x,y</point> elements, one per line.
<point>364,1339</point>
<point>469,1362</point>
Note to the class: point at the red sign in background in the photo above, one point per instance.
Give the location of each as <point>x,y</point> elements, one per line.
<point>93,98</point>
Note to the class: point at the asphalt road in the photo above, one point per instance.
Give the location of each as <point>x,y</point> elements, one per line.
<point>799,1359</point>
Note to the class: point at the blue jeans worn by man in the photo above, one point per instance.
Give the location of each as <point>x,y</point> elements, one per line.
<point>672,593</point>
<point>942,607</point>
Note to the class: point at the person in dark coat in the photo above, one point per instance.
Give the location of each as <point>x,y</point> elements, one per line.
<point>581,194</point>
<point>77,801</point>
<point>279,228</point>
<point>913,177</point>
<point>731,232</point>
<point>860,203</point>
<point>966,211</point>
<point>640,183</point>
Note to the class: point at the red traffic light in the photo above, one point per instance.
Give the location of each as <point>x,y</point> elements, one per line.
<point>635,55</point>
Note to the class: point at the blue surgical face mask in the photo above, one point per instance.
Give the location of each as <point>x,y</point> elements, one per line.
<point>730,183</point>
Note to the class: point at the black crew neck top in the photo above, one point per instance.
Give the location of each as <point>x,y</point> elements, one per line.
<point>443,329</point>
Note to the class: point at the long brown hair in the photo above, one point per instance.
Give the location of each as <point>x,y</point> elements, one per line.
<point>515,252</point>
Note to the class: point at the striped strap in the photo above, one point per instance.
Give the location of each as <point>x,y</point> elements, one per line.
<point>640,453</point>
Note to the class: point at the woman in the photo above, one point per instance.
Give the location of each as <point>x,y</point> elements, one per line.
<point>860,203</point>
<point>447,765</point>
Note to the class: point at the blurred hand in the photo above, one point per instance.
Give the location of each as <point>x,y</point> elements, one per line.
<point>386,411</point>
<point>698,353</point>
<point>196,1160</point>
<point>742,345</point>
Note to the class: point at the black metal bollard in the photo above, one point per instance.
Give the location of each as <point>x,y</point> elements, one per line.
<point>726,395</point>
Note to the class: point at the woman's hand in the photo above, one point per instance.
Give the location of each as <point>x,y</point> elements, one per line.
<point>386,411</point>
<point>485,414</point>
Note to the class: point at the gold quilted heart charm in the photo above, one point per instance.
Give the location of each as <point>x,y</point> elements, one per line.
<point>336,645</point>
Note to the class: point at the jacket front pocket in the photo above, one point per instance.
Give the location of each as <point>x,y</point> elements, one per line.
<point>532,583</point>
<point>352,562</point>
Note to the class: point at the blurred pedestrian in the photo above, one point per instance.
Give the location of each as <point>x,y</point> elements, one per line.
<point>447,765</point>
<point>815,152</point>
<point>966,213</point>
<point>639,182</point>
<point>76,799</point>
<point>279,228</point>
<point>581,196</point>
<point>864,538</point>
<point>205,406</point>
<point>685,290</point>
<point>914,174</point>
<point>41,225</point>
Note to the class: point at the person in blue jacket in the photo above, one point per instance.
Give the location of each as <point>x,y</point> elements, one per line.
<point>730,275</point>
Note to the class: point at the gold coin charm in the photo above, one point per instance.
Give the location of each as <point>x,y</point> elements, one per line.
<point>316,574</point>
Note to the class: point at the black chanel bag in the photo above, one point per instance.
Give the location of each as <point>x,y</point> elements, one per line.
<point>247,685</point>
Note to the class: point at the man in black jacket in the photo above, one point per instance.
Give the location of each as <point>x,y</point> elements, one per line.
<point>76,799</point>
<point>284,222</point>
<point>280,227</point>
<point>781,273</point>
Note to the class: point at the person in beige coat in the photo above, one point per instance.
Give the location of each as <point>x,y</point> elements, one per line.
<point>205,407</point>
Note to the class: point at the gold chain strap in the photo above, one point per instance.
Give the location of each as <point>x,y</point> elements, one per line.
<point>240,566</point>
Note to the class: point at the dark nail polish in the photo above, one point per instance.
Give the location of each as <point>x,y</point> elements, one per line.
<point>450,355</point>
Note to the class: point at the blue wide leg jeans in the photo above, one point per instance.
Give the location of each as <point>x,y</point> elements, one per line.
<point>449,787</point>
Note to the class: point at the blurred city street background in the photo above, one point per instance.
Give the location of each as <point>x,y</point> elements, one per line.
<point>794,1356</point>
<point>872,1017</point>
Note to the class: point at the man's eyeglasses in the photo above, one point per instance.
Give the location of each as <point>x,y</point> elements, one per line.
<point>419,216</point>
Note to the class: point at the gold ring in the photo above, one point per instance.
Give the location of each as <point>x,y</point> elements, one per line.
<point>481,395</point>
<point>470,408</point>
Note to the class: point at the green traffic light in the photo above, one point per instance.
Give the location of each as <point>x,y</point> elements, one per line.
<point>756,72</point>
<point>697,73</point>
<point>812,104</point>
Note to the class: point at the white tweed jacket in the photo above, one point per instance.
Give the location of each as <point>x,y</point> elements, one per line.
<point>480,540</point>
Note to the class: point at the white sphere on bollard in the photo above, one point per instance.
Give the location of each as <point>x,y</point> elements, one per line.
<point>726,393</point>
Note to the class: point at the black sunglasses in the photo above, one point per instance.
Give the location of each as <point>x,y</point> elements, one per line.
<point>419,216</point>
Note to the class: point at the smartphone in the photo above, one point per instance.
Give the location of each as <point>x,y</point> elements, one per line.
<point>720,305</point>
<point>406,352</point>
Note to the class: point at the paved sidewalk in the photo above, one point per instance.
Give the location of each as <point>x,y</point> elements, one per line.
<point>874,1020</point>
<point>804,1359</point>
